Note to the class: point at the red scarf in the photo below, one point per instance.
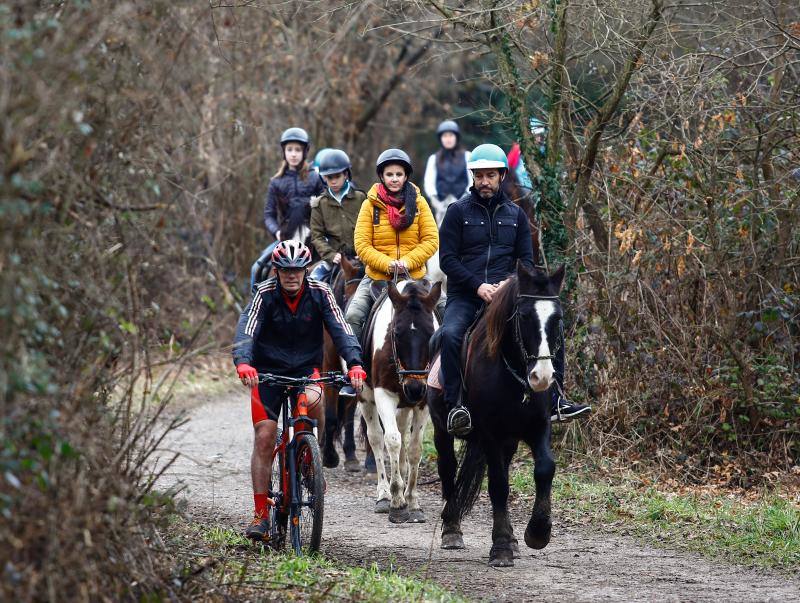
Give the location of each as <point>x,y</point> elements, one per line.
<point>393,207</point>
<point>293,302</point>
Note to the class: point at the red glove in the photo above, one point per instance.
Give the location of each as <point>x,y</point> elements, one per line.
<point>357,372</point>
<point>247,374</point>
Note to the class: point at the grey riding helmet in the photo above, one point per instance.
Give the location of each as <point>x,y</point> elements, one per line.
<point>394,156</point>
<point>334,161</point>
<point>448,126</point>
<point>295,135</point>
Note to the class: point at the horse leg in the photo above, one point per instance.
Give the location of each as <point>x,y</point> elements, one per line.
<point>349,445</point>
<point>330,458</point>
<point>386,404</point>
<point>375,437</point>
<point>509,450</point>
<point>446,466</point>
<point>501,553</point>
<point>420,418</point>
<point>537,534</point>
<point>403,417</point>
<point>369,458</point>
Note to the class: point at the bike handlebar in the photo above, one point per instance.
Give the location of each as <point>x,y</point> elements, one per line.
<point>331,378</point>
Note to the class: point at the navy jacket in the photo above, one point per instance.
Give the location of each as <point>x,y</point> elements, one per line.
<point>272,339</point>
<point>481,240</point>
<point>287,205</point>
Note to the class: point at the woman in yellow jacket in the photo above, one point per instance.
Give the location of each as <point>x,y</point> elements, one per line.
<point>395,231</point>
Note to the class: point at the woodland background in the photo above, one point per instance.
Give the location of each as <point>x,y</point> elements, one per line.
<point>136,143</point>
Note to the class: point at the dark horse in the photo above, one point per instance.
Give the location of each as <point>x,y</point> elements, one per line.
<point>508,373</point>
<point>340,411</point>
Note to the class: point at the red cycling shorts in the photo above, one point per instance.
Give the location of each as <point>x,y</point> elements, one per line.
<point>266,400</point>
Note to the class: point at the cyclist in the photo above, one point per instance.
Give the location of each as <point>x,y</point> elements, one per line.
<point>287,210</point>
<point>484,234</point>
<point>280,332</point>
<point>447,178</point>
<point>334,213</point>
<point>395,231</point>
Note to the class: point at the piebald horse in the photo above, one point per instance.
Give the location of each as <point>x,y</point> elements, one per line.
<point>393,401</point>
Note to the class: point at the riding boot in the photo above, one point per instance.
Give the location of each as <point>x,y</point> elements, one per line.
<point>562,409</point>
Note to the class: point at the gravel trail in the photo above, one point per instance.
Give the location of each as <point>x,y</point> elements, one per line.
<point>580,564</point>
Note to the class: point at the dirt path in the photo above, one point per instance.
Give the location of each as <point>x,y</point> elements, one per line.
<point>580,564</point>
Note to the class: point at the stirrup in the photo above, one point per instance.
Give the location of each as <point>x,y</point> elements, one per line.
<point>459,421</point>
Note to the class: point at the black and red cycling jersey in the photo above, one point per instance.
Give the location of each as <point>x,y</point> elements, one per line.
<point>272,337</point>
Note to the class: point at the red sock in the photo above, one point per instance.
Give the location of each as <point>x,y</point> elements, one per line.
<point>262,502</point>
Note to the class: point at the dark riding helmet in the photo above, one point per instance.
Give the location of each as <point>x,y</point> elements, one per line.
<point>295,135</point>
<point>393,156</point>
<point>291,254</point>
<point>448,126</point>
<point>334,162</point>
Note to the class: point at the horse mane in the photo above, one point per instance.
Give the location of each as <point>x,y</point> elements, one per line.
<point>490,331</point>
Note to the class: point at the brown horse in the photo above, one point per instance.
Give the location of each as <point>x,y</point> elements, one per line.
<point>339,411</point>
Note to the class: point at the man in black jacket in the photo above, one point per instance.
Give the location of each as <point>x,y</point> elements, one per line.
<point>280,332</point>
<point>482,237</point>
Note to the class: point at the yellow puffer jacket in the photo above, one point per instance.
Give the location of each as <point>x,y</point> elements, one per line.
<point>377,243</point>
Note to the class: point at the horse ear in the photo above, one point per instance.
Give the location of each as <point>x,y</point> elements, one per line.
<point>395,296</point>
<point>523,273</point>
<point>433,295</point>
<point>557,278</point>
<point>346,266</point>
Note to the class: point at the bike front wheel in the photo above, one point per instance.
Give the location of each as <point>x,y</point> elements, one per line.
<point>278,512</point>
<point>308,510</point>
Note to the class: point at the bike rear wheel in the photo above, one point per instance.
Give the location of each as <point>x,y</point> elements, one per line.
<point>307,514</point>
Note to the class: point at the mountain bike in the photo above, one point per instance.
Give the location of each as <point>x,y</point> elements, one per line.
<point>297,486</point>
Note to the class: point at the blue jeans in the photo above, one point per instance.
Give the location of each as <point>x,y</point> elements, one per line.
<point>458,315</point>
<point>322,271</point>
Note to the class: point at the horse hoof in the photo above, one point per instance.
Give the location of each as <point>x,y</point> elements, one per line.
<point>352,465</point>
<point>382,506</point>
<point>330,460</point>
<point>515,549</point>
<point>539,536</point>
<point>452,541</point>
<point>369,464</point>
<point>501,556</point>
<point>399,515</point>
<point>416,516</point>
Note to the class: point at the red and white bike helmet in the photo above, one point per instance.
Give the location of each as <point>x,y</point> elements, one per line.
<point>291,254</point>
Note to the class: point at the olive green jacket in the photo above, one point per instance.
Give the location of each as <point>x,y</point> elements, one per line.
<point>332,224</point>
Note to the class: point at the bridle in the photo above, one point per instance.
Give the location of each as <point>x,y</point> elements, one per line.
<point>402,372</point>
<point>520,344</point>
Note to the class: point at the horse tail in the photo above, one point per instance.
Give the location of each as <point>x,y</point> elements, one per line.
<point>471,470</point>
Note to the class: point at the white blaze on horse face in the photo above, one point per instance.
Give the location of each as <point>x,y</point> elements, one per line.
<point>541,376</point>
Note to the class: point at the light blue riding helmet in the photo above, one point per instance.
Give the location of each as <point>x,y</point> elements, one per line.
<point>487,156</point>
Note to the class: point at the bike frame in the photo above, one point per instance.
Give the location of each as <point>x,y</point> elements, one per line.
<point>299,418</point>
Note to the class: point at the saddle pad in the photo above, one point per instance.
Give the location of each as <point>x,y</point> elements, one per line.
<point>434,377</point>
